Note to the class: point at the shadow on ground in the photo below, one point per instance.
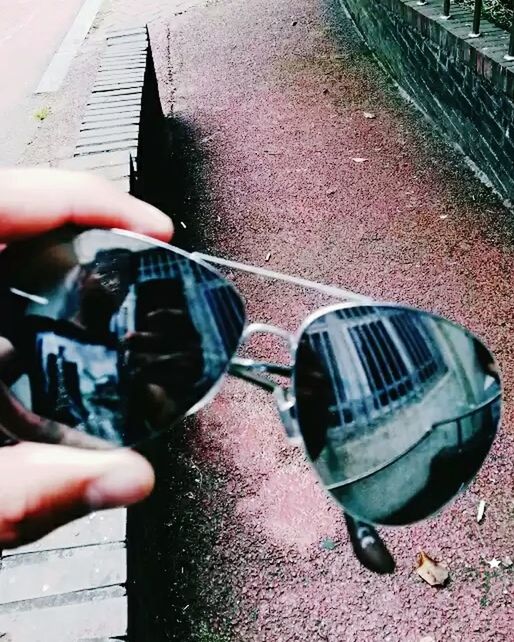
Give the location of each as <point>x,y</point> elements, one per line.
<point>172,535</point>
<point>171,540</point>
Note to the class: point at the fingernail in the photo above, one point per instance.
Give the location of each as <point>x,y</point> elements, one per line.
<point>115,488</point>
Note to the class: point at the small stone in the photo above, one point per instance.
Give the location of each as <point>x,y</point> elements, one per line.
<point>480,511</point>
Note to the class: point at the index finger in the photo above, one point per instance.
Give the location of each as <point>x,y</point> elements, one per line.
<point>36,200</point>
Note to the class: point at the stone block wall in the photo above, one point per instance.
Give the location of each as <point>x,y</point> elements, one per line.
<point>463,84</point>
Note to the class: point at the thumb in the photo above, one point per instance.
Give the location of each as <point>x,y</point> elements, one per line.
<point>46,486</point>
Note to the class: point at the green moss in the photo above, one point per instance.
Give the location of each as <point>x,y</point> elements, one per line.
<point>42,113</point>
<point>203,633</point>
<point>328,544</point>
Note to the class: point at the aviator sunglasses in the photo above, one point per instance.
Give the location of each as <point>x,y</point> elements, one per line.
<point>109,337</point>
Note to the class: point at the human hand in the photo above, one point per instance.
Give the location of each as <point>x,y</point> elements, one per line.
<point>45,486</point>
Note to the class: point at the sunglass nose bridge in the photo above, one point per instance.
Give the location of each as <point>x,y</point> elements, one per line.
<point>286,405</point>
<point>264,328</point>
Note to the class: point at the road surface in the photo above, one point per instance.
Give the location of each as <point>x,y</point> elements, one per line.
<point>31,33</point>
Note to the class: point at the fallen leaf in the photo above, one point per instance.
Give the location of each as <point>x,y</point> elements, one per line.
<point>328,544</point>
<point>331,191</point>
<point>480,511</point>
<point>432,572</point>
<point>368,114</point>
<point>359,160</point>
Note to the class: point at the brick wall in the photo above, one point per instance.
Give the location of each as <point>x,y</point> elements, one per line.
<point>463,84</point>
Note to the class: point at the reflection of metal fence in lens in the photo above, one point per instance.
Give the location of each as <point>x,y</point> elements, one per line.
<point>214,308</point>
<point>378,360</point>
<point>465,424</point>
<point>486,415</point>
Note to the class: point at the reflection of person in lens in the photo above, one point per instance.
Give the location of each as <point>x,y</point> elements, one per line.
<point>164,364</point>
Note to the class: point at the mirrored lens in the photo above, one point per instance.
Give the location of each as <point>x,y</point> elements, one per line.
<point>397,408</point>
<point>111,335</point>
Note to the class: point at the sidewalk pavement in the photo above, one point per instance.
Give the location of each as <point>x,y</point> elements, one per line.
<point>272,97</point>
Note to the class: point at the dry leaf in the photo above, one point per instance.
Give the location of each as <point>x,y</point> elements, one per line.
<point>480,511</point>
<point>331,191</point>
<point>368,114</point>
<point>359,160</point>
<point>431,571</point>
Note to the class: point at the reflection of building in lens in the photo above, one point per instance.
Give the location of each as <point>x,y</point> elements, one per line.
<point>393,374</point>
<point>75,383</point>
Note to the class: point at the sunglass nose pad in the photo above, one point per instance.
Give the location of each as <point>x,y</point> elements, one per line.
<point>286,404</point>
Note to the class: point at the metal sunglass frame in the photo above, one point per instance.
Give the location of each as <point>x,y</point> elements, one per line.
<point>367,544</point>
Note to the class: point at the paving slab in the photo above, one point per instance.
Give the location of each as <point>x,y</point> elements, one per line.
<point>100,613</point>
<point>113,87</point>
<point>100,148</point>
<point>104,123</point>
<point>88,163</point>
<point>60,571</point>
<point>117,107</point>
<point>102,527</point>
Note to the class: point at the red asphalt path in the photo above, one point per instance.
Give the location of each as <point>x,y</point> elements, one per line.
<point>276,101</point>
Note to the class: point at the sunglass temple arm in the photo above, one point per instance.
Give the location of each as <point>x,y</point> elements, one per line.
<point>330,290</point>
